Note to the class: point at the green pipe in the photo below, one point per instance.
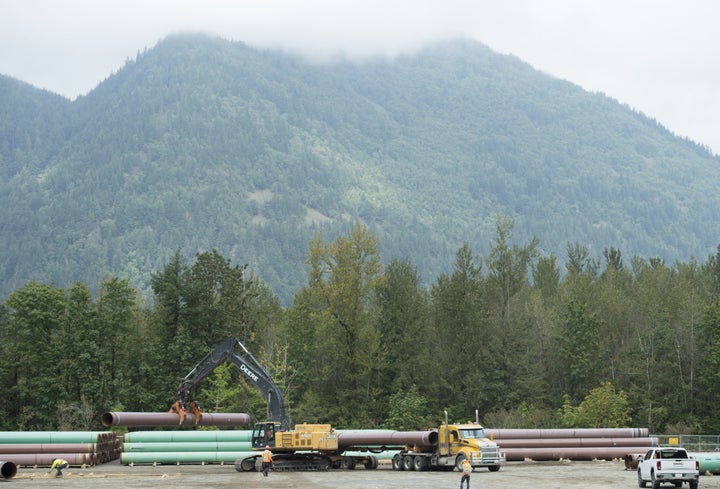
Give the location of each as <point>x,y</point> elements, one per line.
<point>709,461</point>
<point>385,455</point>
<point>202,446</point>
<point>183,457</point>
<point>188,436</point>
<point>50,436</point>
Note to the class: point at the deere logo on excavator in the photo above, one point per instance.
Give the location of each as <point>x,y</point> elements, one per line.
<point>249,372</point>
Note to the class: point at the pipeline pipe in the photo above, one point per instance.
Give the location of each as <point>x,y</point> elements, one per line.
<point>575,442</point>
<point>203,446</point>
<point>183,457</point>
<point>709,462</point>
<point>53,436</point>
<point>570,453</point>
<point>384,455</point>
<point>7,470</point>
<point>47,448</point>
<point>568,433</point>
<point>46,459</point>
<point>189,436</point>
<point>171,419</point>
<point>352,438</point>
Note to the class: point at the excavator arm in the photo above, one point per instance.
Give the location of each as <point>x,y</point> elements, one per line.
<point>246,363</point>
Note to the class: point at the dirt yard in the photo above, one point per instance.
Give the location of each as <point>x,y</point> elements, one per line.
<point>514,475</point>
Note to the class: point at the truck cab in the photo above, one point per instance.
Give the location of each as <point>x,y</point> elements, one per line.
<point>469,441</point>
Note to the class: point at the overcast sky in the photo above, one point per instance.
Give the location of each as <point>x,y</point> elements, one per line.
<point>659,57</point>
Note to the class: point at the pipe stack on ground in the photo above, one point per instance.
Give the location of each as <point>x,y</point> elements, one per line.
<point>40,448</point>
<point>172,419</point>
<point>186,447</point>
<point>226,446</point>
<point>572,444</point>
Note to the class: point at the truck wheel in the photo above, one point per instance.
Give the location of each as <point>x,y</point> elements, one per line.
<point>693,484</point>
<point>347,463</point>
<point>655,483</point>
<point>371,462</point>
<point>641,482</point>
<point>458,462</point>
<point>409,462</point>
<point>420,463</point>
<point>397,462</point>
<point>493,468</point>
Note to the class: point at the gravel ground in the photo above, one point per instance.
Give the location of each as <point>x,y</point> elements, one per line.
<point>514,475</point>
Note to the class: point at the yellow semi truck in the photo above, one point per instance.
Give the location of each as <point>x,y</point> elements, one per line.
<point>456,443</point>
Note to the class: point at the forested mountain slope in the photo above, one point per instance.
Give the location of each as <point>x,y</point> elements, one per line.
<point>203,143</point>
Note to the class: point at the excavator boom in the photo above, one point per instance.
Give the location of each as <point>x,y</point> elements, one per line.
<point>233,351</point>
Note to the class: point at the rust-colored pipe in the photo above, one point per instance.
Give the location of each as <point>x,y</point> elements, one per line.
<point>7,470</point>
<point>46,459</point>
<point>568,433</point>
<point>575,442</point>
<point>380,438</point>
<point>571,453</point>
<point>171,419</point>
<point>47,448</point>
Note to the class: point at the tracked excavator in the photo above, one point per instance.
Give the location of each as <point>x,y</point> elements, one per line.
<point>305,447</point>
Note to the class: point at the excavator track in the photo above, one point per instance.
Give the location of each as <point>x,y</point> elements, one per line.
<point>285,462</point>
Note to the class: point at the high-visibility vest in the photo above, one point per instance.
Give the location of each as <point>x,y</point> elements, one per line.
<point>267,456</point>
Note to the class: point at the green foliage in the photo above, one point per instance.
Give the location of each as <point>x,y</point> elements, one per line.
<point>131,205</point>
<point>408,411</point>
<point>603,407</point>
<point>366,346</point>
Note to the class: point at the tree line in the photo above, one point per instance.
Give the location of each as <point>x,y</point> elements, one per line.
<point>599,343</point>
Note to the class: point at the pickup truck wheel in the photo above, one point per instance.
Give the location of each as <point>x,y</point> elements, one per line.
<point>655,483</point>
<point>693,484</point>
<point>641,482</point>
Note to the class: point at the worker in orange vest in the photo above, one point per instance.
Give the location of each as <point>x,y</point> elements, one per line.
<point>266,460</point>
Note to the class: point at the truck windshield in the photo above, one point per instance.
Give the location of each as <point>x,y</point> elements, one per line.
<point>472,433</point>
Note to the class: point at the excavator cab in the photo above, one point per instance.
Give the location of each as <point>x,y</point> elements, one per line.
<point>264,434</point>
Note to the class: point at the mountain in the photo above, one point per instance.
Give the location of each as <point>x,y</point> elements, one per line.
<point>202,143</point>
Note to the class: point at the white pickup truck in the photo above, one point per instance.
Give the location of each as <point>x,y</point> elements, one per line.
<point>672,465</point>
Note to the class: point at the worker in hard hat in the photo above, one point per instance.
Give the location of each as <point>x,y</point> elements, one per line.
<point>266,460</point>
<point>59,464</point>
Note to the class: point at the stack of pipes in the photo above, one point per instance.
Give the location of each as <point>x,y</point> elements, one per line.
<point>572,444</point>
<point>40,448</point>
<point>186,447</point>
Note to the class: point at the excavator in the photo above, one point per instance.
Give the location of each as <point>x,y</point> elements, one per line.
<point>246,363</point>
<point>306,447</point>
